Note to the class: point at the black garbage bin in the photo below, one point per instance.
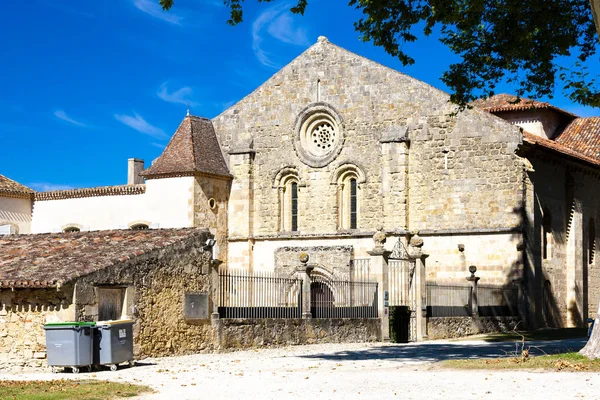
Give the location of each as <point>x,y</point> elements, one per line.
<point>69,344</point>
<point>113,343</point>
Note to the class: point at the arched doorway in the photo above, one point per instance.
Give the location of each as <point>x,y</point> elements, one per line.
<point>321,300</point>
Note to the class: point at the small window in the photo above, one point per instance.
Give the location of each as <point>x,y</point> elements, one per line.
<point>288,205</point>
<point>71,229</point>
<point>139,227</point>
<point>294,205</point>
<point>353,204</point>
<point>348,202</point>
<point>547,237</point>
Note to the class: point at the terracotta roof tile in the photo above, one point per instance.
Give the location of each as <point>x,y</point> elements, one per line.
<point>45,260</point>
<point>583,136</point>
<point>506,102</point>
<point>120,190</point>
<point>11,188</point>
<point>558,147</point>
<point>193,148</point>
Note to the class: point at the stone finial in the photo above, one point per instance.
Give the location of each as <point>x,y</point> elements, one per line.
<point>472,270</point>
<point>379,238</point>
<point>322,39</point>
<point>304,257</point>
<point>416,240</point>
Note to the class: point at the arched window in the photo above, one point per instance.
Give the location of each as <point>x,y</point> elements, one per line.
<point>288,186</point>
<point>288,200</point>
<point>348,178</point>
<point>591,240</point>
<point>349,203</point>
<point>547,238</point>
<point>71,229</point>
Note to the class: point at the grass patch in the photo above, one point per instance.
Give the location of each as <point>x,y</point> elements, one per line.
<point>554,362</point>
<point>540,334</point>
<point>69,389</point>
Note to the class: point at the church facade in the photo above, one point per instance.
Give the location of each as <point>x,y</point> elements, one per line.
<point>335,147</point>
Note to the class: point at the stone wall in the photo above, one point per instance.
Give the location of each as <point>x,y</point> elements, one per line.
<point>334,261</point>
<point>463,172</point>
<point>567,281</point>
<point>23,314</point>
<point>455,327</point>
<point>248,333</point>
<point>157,284</point>
<point>213,215</point>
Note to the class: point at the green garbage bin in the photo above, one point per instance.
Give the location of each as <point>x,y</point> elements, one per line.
<point>113,343</point>
<point>69,344</point>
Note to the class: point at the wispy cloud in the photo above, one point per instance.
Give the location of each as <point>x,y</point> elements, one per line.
<point>160,146</point>
<point>47,187</point>
<point>62,115</point>
<point>138,123</point>
<point>279,24</point>
<point>151,7</point>
<point>180,96</point>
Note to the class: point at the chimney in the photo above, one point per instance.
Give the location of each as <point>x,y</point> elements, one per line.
<point>134,167</point>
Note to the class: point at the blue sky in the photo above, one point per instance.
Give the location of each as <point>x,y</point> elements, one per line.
<point>87,84</point>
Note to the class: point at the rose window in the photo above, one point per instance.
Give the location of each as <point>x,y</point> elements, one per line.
<point>323,135</point>
<point>319,135</point>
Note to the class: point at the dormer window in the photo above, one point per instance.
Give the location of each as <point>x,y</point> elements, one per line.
<point>139,227</point>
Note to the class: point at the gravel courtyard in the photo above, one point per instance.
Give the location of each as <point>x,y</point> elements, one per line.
<point>347,371</point>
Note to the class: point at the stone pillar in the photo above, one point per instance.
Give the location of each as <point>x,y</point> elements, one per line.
<point>241,202</point>
<point>303,272</point>
<point>379,268</point>
<point>415,251</point>
<point>394,176</point>
<point>574,270</point>
<point>474,282</point>
<point>214,289</point>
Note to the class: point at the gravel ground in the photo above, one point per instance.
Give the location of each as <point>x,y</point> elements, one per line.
<point>343,371</point>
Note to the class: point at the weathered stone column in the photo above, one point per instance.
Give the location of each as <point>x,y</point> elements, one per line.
<point>474,282</point>
<point>303,272</point>
<point>213,303</point>
<point>574,265</point>
<point>415,251</point>
<point>241,203</point>
<point>379,268</point>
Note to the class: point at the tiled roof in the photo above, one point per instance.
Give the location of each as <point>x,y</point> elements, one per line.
<point>193,148</point>
<point>10,188</point>
<point>558,147</point>
<point>507,102</point>
<point>51,259</point>
<point>120,190</point>
<point>583,136</point>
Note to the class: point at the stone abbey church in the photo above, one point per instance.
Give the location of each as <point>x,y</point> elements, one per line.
<point>333,148</point>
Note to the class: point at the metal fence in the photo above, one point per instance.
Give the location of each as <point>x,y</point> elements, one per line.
<point>401,289</point>
<point>497,301</point>
<point>360,269</point>
<point>342,299</point>
<point>456,300</point>
<point>448,300</point>
<point>243,294</point>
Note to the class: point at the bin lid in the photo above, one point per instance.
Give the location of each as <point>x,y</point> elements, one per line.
<point>115,322</point>
<point>65,324</point>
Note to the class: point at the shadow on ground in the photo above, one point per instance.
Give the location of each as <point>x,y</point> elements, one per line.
<point>435,351</point>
